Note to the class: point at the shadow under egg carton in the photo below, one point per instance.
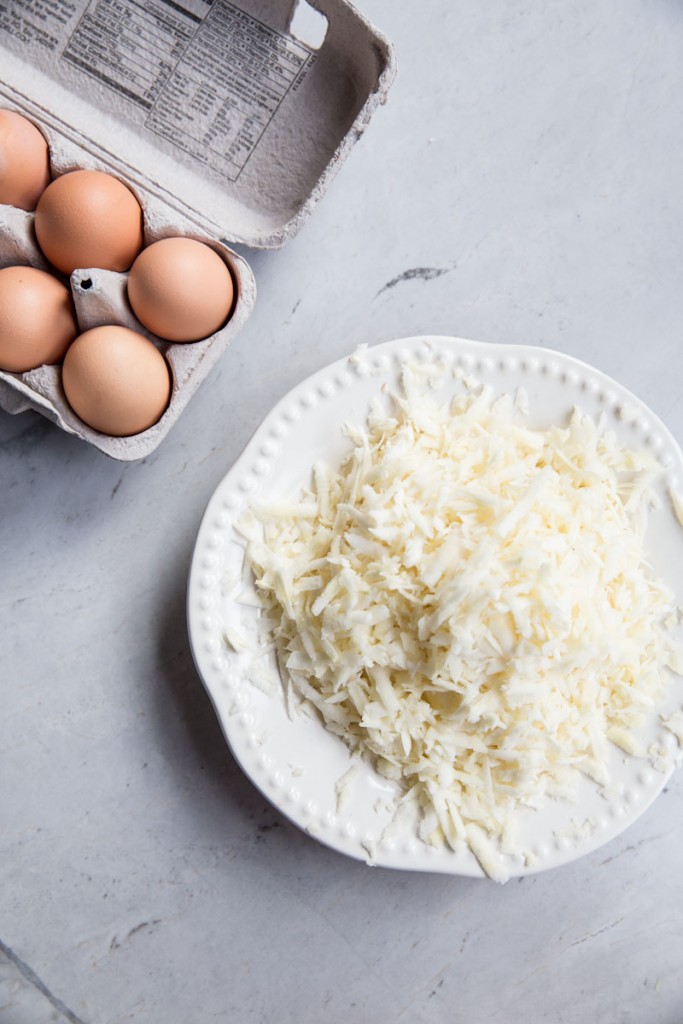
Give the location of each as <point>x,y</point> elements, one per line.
<point>100,297</point>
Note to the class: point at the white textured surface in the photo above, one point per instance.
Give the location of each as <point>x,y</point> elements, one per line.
<point>528,165</point>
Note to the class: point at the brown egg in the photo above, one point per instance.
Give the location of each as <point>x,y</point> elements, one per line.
<point>180,289</point>
<point>116,380</point>
<point>89,219</point>
<point>37,319</point>
<point>24,161</point>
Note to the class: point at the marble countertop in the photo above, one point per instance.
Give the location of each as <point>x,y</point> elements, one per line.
<point>522,184</point>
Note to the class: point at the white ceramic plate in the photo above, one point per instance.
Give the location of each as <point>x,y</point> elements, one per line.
<point>295,762</point>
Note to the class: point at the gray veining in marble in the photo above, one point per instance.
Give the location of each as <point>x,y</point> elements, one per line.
<point>522,184</point>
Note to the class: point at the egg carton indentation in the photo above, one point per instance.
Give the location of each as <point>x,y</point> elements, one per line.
<point>18,246</point>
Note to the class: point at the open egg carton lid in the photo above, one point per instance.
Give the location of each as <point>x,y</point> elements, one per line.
<point>227,119</point>
<point>236,114</point>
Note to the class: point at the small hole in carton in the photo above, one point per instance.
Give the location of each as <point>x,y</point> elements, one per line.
<point>84,284</point>
<point>307,25</point>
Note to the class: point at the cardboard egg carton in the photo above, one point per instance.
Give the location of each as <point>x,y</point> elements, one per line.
<point>227,120</point>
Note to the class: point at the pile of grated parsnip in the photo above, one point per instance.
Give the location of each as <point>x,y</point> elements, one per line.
<point>466,602</point>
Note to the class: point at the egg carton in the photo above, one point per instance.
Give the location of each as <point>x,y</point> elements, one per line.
<point>100,297</point>
<point>232,130</point>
